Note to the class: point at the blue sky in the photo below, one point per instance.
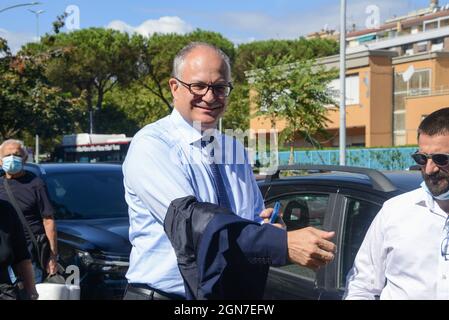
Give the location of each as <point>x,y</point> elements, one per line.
<point>238,20</point>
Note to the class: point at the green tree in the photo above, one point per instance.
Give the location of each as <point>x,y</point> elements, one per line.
<point>138,106</point>
<point>88,63</point>
<point>254,54</point>
<point>296,92</point>
<point>237,113</point>
<point>28,103</point>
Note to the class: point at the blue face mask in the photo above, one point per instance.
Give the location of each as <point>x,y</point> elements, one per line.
<point>12,164</point>
<point>443,196</point>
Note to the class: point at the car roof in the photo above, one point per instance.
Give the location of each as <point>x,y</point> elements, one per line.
<point>403,181</point>
<point>44,168</point>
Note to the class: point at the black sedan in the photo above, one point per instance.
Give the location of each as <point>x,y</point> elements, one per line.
<point>92,223</point>
<point>333,198</point>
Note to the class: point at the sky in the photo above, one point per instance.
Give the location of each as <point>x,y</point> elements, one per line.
<point>240,21</point>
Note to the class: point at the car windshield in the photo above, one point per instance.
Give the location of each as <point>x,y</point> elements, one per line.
<point>87,195</point>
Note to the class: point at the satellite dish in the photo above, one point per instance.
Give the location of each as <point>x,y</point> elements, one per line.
<point>407,75</point>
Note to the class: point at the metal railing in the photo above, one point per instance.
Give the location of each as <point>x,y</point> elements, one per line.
<point>376,158</point>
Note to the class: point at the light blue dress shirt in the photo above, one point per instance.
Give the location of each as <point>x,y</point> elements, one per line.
<point>165,161</point>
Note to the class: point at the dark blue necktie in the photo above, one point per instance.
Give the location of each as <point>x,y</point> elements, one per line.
<point>223,199</point>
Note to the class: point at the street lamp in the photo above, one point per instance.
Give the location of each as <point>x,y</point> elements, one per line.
<point>343,83</point>
<point>37,13</point>
<point>20,5</point>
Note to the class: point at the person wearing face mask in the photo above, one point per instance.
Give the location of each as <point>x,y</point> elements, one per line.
<point>405,253</point>
<point>30,194</point>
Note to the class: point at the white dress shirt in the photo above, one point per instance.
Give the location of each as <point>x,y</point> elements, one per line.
<point>165,161</point>
<point>400,257</point>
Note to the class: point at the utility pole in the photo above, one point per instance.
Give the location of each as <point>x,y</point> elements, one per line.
<point>20,5</point>
<point>343,83</point>
<point>36,155</point>
<point>37,13</point>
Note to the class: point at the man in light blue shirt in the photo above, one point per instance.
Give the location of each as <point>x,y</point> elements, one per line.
<point>169,159</point>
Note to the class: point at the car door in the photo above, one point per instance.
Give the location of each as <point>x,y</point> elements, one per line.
<point>302,206</point>
<point>356,211</point>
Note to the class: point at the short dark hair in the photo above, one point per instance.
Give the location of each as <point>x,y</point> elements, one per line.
<point>436,123</point>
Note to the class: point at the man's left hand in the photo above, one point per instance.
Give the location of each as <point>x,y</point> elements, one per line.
<point>266,215</point>
<point>52,266</point>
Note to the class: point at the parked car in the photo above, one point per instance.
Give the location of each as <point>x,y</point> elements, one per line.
<point>338,198</point>
<point>92,223</point>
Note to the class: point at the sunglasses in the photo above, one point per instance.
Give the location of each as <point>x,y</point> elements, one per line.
<point>440,159</point>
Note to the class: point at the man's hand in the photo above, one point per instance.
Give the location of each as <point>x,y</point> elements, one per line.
<point>310,247</point>
<point>266,215</point>
<point>52,265</point>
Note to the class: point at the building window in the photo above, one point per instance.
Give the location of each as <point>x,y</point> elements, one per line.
<point>418,84</point>
<point>444,23</point>
<point>437,44</point>
<point>430,25</point>
<point>399,139</point>
<point>416,29</point>
<point>352,89</point>
<point>408,49</point>
<point>399,119</point>
<point>421,46</point>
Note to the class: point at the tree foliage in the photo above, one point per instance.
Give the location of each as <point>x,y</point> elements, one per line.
<point>237,113</point>
<point>253,55</point>
<point>296,92</point>
<point>89,63</point>
<point>49,87</point>
<point>28,102</point>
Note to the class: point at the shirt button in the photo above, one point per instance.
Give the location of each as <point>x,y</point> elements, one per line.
<point>444,277</point>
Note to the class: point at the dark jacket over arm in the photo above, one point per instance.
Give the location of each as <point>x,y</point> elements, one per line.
<point>221,255</point>
<point>13,246</point>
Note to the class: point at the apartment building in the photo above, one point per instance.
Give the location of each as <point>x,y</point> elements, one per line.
<point>396,75</point>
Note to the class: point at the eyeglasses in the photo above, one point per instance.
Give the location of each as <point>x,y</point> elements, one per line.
<point>440,159</point>
<point>201,89</point>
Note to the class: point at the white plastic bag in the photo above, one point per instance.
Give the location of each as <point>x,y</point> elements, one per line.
<point>53,291</point>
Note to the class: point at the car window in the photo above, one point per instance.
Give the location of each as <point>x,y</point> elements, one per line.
<point>359,215</point>
<point>300,211</point>
<point>87,195</point>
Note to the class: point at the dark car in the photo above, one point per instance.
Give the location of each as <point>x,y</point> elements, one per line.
<point>93,221</point>
<point>92,224</point>
<point>337,198</point>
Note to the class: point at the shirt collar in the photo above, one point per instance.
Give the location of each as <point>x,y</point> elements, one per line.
<point>428,201</point>
<point>189,133</point>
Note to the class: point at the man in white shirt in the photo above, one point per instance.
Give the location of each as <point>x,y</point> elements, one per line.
<point>405,253</point>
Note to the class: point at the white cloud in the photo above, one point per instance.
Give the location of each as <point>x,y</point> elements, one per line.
<point>296,24</point>
<point>15,39</point>
<point>238,41</point>
<point>147,28</point>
